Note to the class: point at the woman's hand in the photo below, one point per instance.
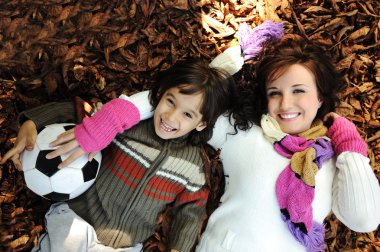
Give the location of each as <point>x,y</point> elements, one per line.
<point>26,139</point>
<point>331,115</point>
<point>344,135</point>
<point>69,143</point>
<point>330,118</point>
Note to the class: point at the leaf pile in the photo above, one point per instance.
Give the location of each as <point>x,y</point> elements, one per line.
<point>55,49</point>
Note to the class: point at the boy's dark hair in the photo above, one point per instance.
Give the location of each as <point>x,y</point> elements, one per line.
<point>274,61</point>
<point>194,76</point>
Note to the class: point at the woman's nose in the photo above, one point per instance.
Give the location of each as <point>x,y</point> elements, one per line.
<point>286,102</point>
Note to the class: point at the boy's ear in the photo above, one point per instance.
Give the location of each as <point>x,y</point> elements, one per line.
<point>201,126</point>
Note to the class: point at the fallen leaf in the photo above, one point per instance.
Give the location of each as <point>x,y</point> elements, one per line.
<point>359,33</point>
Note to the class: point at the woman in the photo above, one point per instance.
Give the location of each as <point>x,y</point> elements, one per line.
<point>266,206</point>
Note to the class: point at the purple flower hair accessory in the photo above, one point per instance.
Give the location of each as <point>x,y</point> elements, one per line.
<point>251,40</point>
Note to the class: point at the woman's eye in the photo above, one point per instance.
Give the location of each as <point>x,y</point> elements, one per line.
<point>298,91</point>
<point>273,93</point>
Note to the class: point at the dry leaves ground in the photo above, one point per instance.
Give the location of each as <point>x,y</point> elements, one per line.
<point>56,49</point>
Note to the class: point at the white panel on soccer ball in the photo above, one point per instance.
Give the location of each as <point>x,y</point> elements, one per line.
<point>67,180</point>
<point>81,189</point>
<point>78,163</point>
<point>28,158</point>
<point>46,136</point>
<point>38,182</point>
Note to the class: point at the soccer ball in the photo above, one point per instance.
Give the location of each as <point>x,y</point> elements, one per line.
<point>42,175</point>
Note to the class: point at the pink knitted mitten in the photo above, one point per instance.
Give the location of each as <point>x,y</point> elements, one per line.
<point>345,137</point>
<point>96,132</point>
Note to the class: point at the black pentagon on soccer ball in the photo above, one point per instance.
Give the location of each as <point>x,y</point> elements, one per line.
<point>68,127</point>
<point>90,170</point>
<point>47,166</point>
<point>57,196</point>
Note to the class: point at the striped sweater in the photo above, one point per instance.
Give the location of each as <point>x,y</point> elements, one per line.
<point>139,176</point>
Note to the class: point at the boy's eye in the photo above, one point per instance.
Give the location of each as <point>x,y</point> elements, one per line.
<point>188,115</point>
<point>170,101</point>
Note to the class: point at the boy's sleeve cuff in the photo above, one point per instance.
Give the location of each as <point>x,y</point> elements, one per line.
<point>95,133</point>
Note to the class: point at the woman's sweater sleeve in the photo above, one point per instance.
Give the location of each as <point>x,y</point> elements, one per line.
<point>356,191</point>
<point>141,101</point>
<point>221,129</point>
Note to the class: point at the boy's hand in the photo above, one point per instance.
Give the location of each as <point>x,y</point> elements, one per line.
<point>26,139</point>
<point>69,144</point>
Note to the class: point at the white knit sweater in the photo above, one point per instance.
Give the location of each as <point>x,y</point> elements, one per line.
<point>249,218</point>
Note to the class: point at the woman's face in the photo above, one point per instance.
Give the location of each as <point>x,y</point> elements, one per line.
<point>293,99</point>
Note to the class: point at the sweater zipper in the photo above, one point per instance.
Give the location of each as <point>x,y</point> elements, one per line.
<point>144,180</point>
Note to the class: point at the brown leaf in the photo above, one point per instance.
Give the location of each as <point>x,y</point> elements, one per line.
<point>221,29</point>
<point>112,38</point>
<point>336,22</point>
<point>15,23</point>
<point>179,4</point>
<point>126,40</point>
<point>366,86</point>
<point>343,31</point>
<point>359,33</point>
<point>84,19</point>
<point>67,12</point>
<point>50,82</point>
<point>312,9</point>
<point>355,103</point>
<point>346,62</point>
<point>54,10</point>
<point>345,109</point>
<point>99,19</point>
<point>154,62</point>
<point>19,241</point>
<point>101,83</point>
<point>73,52</point>
<point>7,51</point>
<point>374,123</point>
<point>348,14</point>
<point>356,118</point>
<point>147,7</point>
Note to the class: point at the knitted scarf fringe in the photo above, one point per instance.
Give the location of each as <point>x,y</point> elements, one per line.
<point>314,241</point>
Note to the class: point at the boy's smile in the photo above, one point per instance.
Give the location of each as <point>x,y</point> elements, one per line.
<point>178,114</point>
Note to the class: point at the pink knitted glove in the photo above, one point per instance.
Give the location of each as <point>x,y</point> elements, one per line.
<point>96,132</point>
<point>345,137</point>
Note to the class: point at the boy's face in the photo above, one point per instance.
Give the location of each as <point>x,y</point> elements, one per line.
<point>177,114</point>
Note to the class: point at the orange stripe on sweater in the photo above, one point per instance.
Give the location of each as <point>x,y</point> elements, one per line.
<point>130,172</point>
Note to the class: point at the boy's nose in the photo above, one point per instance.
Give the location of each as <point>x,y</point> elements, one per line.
<point>171,115</point>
